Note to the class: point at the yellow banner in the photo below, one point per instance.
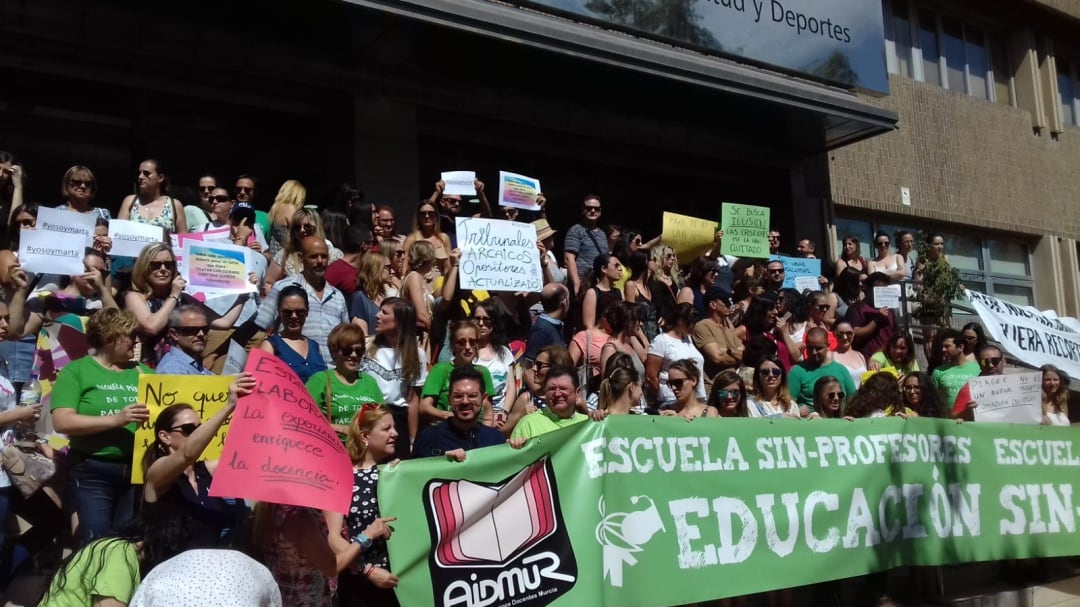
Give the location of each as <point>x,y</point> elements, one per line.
<point>689,237</point>
<point>207,394</point>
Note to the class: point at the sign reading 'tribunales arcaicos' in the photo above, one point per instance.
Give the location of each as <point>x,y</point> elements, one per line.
<point>599,513</point>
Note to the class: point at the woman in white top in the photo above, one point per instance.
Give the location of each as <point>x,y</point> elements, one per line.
<point>891,264</point>
<point>1055,396</point>
<point>769,396</point>
<point>846,355</point>
<point>398,365</point>
<point>668,347</point>
<point>494,355</point>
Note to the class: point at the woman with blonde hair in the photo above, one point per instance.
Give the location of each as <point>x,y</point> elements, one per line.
<point>370,440</point>
<point>290,199</point>
<point>621,391</point>
<point>414,287</point>
<point>1055,396</point>
<point>78,188</point>
<point>427,228</point>
<point>683,378</point>
<point>305,223</point>
<point>394,252</point>
<point>371,280</point>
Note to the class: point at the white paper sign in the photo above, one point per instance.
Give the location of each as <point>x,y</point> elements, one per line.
<point>887,297</point>
<point>518,191</point>
<point>1036,337</point>
<point>498,255</point>
<point>235,359</point>
<point>45,252</point>
<point>459,183</point>
<point>130,237</point>
<point>807,283</point>
<point>68,223</point>
<point>1015,398</point>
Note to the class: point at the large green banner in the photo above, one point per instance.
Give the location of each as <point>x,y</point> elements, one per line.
<point>651,511</point>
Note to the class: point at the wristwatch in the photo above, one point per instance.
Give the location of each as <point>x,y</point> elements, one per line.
<point>363,540</point>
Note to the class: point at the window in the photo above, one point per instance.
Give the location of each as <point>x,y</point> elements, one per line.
<point>947,52</point>
<point>1067,90</point>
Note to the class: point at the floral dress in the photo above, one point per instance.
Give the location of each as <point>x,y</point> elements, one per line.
<point>363,511</point>
<point>165,220</point>
<point>301,584</point>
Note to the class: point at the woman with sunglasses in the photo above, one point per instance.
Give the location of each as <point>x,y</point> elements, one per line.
<point>819,305</point>
<point>399,365</point>
<point>426,227</point>
<point>78,188</point>
<point>343,390</point>
<point>892,265</point>
<point>899,355</point>
<point>702,278</point>
<point>828,399</point>
<point>847,355</point>
<point>531,398</point>
<point>289,343</point>
<point>668,347</point>
<point>769,397</point>
<point>395,256</point>
<point>435,395</point>
<point>290,198</point>
<point>372,439</point>
<point>305,223</point>
<point>974,340</point>
<point>728,395</point>
<point>156,290</point>
<point>493,353</point>
<point>792,305</point>
<point>683,378</point>
<point>920,395</point>
<point>607,269</point>
<point>94,403</point>
<point>79,295</point>
<point>151,203</point>
<point>665,282</point>
<point>173,471</point>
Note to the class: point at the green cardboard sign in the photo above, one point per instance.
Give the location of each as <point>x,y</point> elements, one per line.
<point>746,230</point>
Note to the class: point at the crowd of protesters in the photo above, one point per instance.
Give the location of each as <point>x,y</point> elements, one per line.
<point>367,309</point>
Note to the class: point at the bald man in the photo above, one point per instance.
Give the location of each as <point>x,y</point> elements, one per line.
<point>548,328</point>
<point>817,364</point>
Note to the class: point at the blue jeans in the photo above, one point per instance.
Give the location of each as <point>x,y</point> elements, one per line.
<point>103,496</point>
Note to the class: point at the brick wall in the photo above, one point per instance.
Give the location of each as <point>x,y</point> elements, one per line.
<point>966,161</point>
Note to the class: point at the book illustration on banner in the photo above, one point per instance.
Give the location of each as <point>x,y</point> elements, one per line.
<point>480,531</point>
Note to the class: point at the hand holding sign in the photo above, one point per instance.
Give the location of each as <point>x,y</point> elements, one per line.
<point>280,446</point>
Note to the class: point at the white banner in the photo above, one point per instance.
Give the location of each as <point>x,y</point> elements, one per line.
<point>45,252</point>
<point>130,237</point>
<point>1015,398</point>
<point>1034,337</point>
<point>68,223</point>
<point>459,183</point>
<point>498,255</point>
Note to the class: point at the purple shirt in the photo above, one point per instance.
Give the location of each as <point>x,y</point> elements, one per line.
<point>860,315</point>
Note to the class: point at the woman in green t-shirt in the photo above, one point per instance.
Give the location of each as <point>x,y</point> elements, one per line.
<point>434,396</point>
<point>898,354</point>
<point>340,392</point>
<point>94,403</point>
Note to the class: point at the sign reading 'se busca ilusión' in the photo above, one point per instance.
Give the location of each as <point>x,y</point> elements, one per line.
<point>839,41</point>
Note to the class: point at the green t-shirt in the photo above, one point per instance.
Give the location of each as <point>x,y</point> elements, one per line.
<point>90,389</point>
<point>950,379</point>
<point>108,567</point>
<point>345,400</point>
<point>801,381</point>
<point>884,361</point>
<point>544,421</point>
<point>438,384</point>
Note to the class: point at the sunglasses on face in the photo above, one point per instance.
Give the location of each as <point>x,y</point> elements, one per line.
<point>162,265</point>
<point>291,313</point>
<point>592,209</point>
<point>487,321</point>
<point>776,270</point>
<point>834,395</point>
<point>193,331</point>
<point>207,188</point>
<point>991,362</point>
<point>306,229</point>
<point>185,429</point>
<point>823,308</point>
<point>770,372</point>
<point>218,199</point>
<point>80,183</point>
<point>426,214</point>
<point>845,333</point>
<point>883,243</point>
<point>728,394</point>
<point>539,366</point>
<point>712,271</point>
<point>677,383</point>
<point>245,190</point>
<point>356,351</point>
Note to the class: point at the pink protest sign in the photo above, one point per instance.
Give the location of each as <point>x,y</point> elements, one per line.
<point>280,447</point>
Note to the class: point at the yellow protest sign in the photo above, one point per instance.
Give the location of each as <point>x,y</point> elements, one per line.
<point>689,237</point>
<point>207,394</point>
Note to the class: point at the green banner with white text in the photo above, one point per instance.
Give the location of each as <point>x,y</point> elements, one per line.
<point>652,511</point>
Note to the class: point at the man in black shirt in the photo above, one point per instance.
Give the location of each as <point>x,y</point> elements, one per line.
<point>463,431</point>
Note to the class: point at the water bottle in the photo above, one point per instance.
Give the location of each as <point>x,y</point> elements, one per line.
<point>31,395</point>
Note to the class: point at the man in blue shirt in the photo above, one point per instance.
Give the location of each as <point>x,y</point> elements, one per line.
<point>188,330</point>
<point>548,329</point>
<point>463,431</point>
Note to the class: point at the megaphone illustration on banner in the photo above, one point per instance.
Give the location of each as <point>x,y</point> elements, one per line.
<point>622,534</point>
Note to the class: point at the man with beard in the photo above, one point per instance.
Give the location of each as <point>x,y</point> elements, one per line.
<point>462,431</point>
<point>188,330</point>
<point>327,307</point>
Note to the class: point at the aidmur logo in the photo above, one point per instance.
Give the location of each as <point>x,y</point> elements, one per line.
<point>499,544</point>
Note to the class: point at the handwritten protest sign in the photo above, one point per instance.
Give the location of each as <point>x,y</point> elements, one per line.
<point>129,237</point>
<point>1015,398</point>
<point>798,267</point>
<point>68,224</point>
<point>746,230</point>
<point>459,183</point>
<point>518,191</point>
<point>212,267</point>
<point>280,446</point>
<point>207,394</point>
<point>887,297</point>
<point>498,255</point>
<point>689,237</point>
<point>45,252</point>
